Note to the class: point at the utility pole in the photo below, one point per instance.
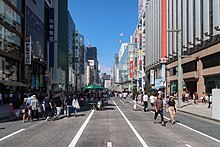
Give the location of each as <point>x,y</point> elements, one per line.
<point>179,67</point>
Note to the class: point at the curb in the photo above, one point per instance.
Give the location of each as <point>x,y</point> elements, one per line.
<point>200,115</point>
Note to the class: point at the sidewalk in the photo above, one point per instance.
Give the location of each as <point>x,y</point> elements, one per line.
<point>198,109</point>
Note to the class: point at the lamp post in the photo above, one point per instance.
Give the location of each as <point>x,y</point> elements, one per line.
<point>179,67</point>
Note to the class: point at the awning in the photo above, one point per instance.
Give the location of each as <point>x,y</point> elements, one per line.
<point>13,83</point>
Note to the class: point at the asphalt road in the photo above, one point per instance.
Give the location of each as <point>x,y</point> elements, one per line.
<point>118,125</point>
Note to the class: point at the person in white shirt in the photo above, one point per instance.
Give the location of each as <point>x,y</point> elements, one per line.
<point>145,100</point>
<point>152,100</point>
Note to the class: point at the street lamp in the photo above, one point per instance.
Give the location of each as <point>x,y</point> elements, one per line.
<point>179,68</point>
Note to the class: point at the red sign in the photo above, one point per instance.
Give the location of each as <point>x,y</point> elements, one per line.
<point>131,69</point>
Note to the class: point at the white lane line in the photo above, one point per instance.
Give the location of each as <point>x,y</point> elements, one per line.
<point>199,132</point>
<point>132,128</point>
<point>187,145</point>
<point>210,137</point>
<point>79,133</point>
<point>11,134</point>
<point>109,144</point>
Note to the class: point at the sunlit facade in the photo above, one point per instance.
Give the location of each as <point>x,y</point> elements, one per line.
<point>199,24</point>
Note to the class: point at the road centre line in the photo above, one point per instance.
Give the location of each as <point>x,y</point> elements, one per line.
<point>11,134</point>
<point>132,127</point>
<point>210,137</point>
<point>79,133</point>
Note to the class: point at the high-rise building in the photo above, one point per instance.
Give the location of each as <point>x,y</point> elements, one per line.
<point>91,57</point>
<point>11,45</point>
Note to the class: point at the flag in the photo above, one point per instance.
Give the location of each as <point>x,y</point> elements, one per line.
<point>119,41</point>
<point>121,34</point>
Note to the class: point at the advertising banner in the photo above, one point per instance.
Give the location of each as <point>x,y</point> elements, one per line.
<point>131,69</point>
<point>151,77</point>
<point>27,51</point>
<point>51,37</point>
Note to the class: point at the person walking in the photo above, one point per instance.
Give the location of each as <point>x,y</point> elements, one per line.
<point>75,105</point>
<point>152,100</point>
<point>69,105</point>
<point>172,109</point>
<point>145,100</point>
<point>34,107</point>
<point>47,106</point>
<point>209,100</point>
<point>24,110</point>
<point>58,104</point>
<point>158,104</point>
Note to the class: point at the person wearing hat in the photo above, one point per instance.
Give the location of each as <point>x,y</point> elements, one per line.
<point>172,109</point>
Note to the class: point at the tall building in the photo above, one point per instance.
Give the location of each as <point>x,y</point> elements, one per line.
<point>11,45</point>
<point>71,45</point>
<point>199,22</point>
<point>190,27</point>
<point>91,57</point>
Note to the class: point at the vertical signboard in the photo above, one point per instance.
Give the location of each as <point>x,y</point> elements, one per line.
<point>27,51</point>
<point>51,37</point>
<point>151,77</point>
<point>131,69</point>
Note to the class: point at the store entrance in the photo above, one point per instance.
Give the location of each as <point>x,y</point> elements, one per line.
<point>191,87</point>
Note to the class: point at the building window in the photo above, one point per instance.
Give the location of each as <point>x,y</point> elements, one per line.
<point>173,71</point>
<point>8,69</point>
<point>189,67</point>
<point>211,60</point>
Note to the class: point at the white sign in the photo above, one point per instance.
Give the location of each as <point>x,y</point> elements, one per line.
<point>27,51</point>
<point>151,77</point>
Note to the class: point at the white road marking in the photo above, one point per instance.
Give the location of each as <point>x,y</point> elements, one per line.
<point>11,134</point>
<point>109,144</point>
<point>132,128</point>
<point>79,133</point>
<point>187,145</point>
<point>210,137</point>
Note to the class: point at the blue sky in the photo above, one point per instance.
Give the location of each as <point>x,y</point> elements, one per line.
<point>102,21</point>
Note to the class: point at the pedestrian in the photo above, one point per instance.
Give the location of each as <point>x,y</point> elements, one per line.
<point>172,109</point>
<point>152,100</point>
<point>75,105</point>
<point>58,104</point>
<point>69,105</point>
<point>47,106</point>
<point>11,110</point>
<point>203,97</point>
<point>145,100</point>
<point>34,107</point>
<point>1,99</point>
<point>158,104</point>
<point>209,100</point>
<point>195,97</point>
<point>24,110</point>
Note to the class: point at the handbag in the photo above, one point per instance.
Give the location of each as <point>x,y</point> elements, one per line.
<point>23,110</point>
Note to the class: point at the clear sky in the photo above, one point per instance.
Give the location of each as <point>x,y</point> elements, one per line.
<point>102,22</point>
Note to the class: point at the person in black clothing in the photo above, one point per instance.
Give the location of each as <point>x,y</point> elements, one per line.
<point>47,106</point>
<point>172,109</point>
<point>69,105</point>
<point>58,103</point>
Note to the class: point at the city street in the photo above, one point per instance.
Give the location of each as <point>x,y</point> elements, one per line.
<point>117,125</point>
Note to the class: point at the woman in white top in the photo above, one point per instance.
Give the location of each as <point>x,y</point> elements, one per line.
<point>75,105</point>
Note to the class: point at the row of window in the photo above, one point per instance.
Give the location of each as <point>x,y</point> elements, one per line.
<point>10,16</point>
<point>9,41</point>
<point>208,62</point>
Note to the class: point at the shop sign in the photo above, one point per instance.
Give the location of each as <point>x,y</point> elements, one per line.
<point>27,52</point>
